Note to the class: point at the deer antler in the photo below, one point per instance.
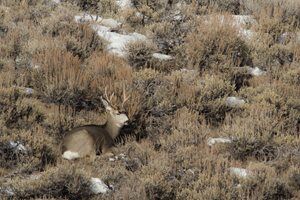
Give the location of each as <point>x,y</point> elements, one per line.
<point>109,99</point>
<point>125,98</point>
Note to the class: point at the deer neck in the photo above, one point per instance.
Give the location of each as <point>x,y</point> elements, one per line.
<point>112,128</point>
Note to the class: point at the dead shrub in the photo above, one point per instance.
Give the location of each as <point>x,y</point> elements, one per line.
<point>22,115</point>
<point>232,6</point>
<point>12,156</point>
<point>86,5</point>
<point>291,75</point>
<point>213,45</point>
<point>280,107</point>
<point>288,10</point>
<point>84,42</point>
<point>27,151</point>
<point>79,38</point>
<point>149,11</point>
<point>169,36</point>
<point>154,191</point>
<point>276,189</point>
<point>62,182</point>
<point>243,148</point>
<point>60,79</point>
<point>140,54</point>
<point>210,99</point>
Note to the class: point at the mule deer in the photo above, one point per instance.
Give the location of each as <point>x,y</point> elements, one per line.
<point>88,140</point>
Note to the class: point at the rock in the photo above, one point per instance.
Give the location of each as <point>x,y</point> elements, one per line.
<point>161,56</point>
<point>98,186</point>
<point>240,172</point>
<point>212,141</point>
<point>234,101</point>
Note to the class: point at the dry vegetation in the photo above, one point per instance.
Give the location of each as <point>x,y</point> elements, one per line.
<point>174,106</point>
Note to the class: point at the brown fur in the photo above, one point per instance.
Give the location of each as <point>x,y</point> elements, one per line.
<point>88,140</point>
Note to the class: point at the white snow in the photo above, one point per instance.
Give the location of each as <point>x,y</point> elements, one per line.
<point>35,176</point>
<point>212,141</point>
<point>111,23</point>
<point>103,27</point>
<point>117,41</point>
<point>241,20</point>
<point>283,37</point>
<point>97,186</point>
<point>111,159</point>
<point>17,146</point>
<point>56,1</point>
<point>246,33</point>
<point>69,155</point>
<point>256,71</point>
<point>87,17</point>
<point>8,191</point>
<point>161,56</point>
<point>240,172</point>
<point>29,91</point>
<point>119,157</point>
<point>234,101</point>
<point>124,3</point>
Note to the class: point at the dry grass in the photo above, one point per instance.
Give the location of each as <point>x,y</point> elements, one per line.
<point>174,106</point>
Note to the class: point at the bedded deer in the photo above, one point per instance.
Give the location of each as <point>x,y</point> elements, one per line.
<point>89,139</point>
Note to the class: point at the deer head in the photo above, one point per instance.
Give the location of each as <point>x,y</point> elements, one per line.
<point>118,119</point>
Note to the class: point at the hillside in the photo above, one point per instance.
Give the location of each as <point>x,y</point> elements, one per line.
<point>213,93</point>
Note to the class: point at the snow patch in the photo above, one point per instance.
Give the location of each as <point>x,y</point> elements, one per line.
<point>161,56</point>
<point>119,157</point>
<point>256,71</point>
<point>103,27</point>
<point>234,101</point>
<point>56,1</point>
<point>124,3</point>
<point>240,172</point>
<point>87,18</point>
<point>212,141</point>
<point>242,20</point>
<point>117,41</point>
<point>17,146</point>
<point>69,155</point>
<point>7,191</point>
<point>98,186</point>
<point>29,91</point>
<point>111,23</point>
<point>35,176</point>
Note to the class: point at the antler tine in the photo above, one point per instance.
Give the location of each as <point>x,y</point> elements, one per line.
<point>125,98</point>
<point>105,93</point>
<point>109,99</point>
